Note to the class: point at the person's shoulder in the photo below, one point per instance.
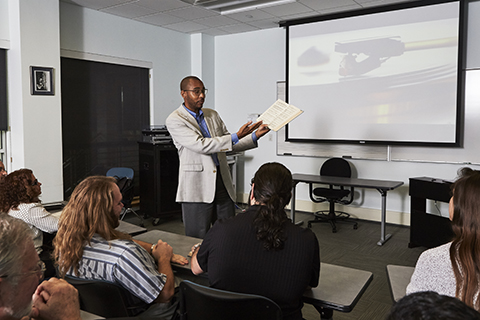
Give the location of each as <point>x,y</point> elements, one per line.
<point>174,113</point>
<point>441,253</point>
<point>209,112</point>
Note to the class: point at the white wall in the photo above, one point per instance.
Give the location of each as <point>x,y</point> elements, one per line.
<point>95,32</point>
<point>246,70</point>
<point>4,28</point>
<point>35,121</point>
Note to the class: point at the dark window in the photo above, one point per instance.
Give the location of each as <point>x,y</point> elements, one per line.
<point>3,91</point>
<point>104,109</point>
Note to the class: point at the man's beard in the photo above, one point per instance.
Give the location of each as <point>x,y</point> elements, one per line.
<point>17,314</point>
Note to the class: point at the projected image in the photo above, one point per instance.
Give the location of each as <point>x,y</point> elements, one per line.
<point>389,76</point>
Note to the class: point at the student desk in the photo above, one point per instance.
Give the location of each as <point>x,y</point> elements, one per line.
<point>339,288</point>
<point>382,186</point>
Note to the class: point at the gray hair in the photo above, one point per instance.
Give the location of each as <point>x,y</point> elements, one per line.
<point>14,234</point>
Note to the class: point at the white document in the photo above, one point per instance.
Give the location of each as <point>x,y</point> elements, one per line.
<point>279,114</point>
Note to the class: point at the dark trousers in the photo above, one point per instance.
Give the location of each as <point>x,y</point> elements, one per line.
<point>199,216</point>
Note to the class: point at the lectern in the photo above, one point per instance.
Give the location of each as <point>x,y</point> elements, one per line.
<point>428,230</point>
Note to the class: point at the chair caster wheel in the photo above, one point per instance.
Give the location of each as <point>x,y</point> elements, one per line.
<point>309,225</point>
<point>334,230</point>
<point>355,227</point>
<point>156,221</point>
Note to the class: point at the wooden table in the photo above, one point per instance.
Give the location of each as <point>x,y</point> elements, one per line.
<point>381,186</point>
<point>339,288</point>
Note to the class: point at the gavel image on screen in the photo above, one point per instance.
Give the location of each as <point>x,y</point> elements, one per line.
<point>380,50</point>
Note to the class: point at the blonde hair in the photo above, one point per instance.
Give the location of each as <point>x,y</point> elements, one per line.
<point>89,211</point>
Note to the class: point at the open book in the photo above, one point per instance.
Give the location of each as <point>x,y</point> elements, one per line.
<point>279,114</point>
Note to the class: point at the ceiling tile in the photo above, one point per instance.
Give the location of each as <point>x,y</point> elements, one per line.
<point>287,9</point>
<point>326,4</point>
<point>265,24</point>
<point>216,21</point>
<point>301,15</point>
<point>342,9</point>
<point>215,32</point>
<point>162,5</point>
<point>129,11</point>
<point>375,3</point>
<point>252,15</point>
<point>160,19</point>
<point>186,27</point>
<point>95,4</point>
<point>192,13</point>
<point>238,28</point>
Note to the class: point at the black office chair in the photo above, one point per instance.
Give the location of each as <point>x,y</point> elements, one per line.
<point>105,298</point>
<point>124,178</point>
<point>198,302</point>
<point>334,167</point>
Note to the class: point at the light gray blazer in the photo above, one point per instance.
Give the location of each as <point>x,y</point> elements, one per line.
<point>197,174</point>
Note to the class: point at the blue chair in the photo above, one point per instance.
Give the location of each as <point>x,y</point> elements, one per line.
<point>124,178</point>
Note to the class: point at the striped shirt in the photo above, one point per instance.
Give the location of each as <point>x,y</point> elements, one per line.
<point>39,219</point>
<point>124,263</point>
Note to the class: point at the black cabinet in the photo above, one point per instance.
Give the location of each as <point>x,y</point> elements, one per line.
<point>158,164</point>
<point>426,229</point>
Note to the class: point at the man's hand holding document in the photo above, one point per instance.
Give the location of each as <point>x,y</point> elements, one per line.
<point>279,114</point>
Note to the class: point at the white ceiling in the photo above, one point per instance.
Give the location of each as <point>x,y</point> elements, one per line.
<point>183,17</point>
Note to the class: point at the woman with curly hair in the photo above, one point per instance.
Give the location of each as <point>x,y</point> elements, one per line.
<point>19,192</point>
<point>453,269</point>
<point>260,251</point>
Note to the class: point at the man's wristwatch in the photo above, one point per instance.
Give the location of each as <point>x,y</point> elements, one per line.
<point>194,248</point>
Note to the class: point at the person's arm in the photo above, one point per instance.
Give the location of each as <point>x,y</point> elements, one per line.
<point>163,252</point>
<point>176,258</point>
<point>195,267</point>
<point>55,299</point>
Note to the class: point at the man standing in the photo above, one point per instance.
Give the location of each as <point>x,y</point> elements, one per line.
<point>205,187</point>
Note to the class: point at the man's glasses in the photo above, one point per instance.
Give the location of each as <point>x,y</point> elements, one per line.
<point>198,91</point>
<point>39,271</point>
<point>35,182</point>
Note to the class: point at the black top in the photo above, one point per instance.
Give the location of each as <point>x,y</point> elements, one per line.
<point>236,261</point>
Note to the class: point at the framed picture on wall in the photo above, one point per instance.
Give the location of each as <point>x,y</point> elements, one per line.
<point>42,81</point>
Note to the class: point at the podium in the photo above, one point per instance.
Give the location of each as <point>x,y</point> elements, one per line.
<point>426,229</point>
<point>158,164</point>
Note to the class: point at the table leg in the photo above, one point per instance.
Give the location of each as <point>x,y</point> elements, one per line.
<point>383,237</point>
<point>292,205</point>
<point>325,313</point>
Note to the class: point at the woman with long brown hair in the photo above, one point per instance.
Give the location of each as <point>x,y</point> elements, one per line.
<point>453,269</point>
<point>87,246</point>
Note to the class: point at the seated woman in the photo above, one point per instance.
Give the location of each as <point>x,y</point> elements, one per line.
<point>452,269</point>
<point>89,247</point>
<point>261,251</point>
<point>19,192</point>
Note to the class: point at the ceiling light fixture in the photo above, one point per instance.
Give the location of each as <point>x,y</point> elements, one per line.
<point>234,6</point>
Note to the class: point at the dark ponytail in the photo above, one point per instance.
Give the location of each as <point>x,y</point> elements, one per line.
<point>273,184</point>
